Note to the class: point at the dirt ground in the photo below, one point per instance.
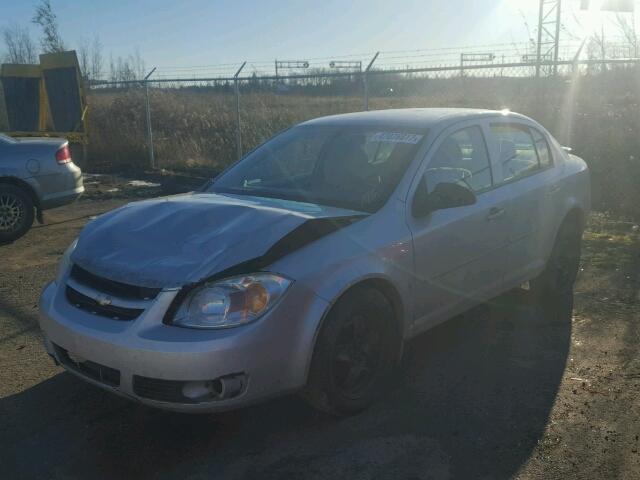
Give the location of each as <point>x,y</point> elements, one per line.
<point>512,389</point>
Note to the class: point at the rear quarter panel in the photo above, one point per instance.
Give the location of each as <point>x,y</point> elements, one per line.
<point>577,183</point>
<point>13,165</point>
<point>33,161</point>
<point>574,193</point>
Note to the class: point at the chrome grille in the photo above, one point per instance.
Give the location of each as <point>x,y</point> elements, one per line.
<point>88,304</point>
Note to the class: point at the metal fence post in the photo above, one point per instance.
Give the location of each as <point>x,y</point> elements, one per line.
<point>152,160</point>
<point>238,130</point>
<point>365,81</point>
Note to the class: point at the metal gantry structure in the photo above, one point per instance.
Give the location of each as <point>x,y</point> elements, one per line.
<point>549,22</point>
<point>474,58</point>
<point>290,65</point>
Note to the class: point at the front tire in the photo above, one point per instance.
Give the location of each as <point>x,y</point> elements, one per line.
<point>16,213</point>
<point>563,265</point>
<point>355,353</point>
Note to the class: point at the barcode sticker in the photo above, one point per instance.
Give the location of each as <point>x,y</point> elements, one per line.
<point>393,137</point>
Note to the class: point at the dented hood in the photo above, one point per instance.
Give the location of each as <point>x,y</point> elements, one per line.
<point>174,241</point>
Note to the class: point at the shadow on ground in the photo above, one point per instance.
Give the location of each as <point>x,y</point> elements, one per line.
<point>471,400</point>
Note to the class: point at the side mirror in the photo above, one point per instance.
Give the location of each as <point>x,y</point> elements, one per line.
<point>444,195</point>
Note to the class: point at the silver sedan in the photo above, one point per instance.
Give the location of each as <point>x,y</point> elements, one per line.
<point>36,174</point>
<point>308,264</point>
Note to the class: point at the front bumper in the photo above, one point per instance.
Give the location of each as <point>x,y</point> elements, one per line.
<point>271,356</point>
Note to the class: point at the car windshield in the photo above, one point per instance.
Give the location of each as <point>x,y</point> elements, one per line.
<point>348,167</point>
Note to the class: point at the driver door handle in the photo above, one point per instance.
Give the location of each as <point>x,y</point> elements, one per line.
<point>495,213</point>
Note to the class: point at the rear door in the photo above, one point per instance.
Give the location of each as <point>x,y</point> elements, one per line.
<point>526,173</point>
<point>459,253</point>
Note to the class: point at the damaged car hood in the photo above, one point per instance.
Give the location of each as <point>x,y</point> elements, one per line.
<point>174,241</point>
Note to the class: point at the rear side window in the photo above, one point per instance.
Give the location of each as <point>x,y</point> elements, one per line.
<point>518,154</point>
<point>542,147</point>
<point>523,150</point>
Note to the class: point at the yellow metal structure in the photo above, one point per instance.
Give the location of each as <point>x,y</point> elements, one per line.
<point>50,63</point>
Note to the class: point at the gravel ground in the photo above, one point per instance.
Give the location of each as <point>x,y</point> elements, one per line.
<point>512,389</point>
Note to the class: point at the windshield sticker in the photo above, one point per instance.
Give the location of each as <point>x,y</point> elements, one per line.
<point>391,137</point>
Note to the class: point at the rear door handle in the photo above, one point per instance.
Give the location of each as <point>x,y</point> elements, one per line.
<point>494,213</point>
<point>553,189</point>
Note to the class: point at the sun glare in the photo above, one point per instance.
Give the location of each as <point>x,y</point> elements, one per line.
<point>591,18</point>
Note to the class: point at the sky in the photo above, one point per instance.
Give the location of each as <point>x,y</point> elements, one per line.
<point>183,33</point>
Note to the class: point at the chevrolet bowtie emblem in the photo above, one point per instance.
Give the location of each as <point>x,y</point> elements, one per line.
<point>103,301</point>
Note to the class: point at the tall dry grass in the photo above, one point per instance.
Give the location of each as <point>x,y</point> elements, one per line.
<point>193,129</point>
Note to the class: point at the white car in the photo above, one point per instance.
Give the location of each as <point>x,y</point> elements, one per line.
<point>36,174</point>
<point>307,265</point>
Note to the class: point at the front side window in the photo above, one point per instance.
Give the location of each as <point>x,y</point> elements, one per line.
<point>463,155</point>
<point>518,154</point>
<point>351,167</point>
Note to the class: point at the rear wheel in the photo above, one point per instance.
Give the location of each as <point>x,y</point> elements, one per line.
<point>561,270</point>
<point>16,213</point>
<point>354,354</point>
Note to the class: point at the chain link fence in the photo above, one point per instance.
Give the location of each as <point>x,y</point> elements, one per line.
<point>198,124</point>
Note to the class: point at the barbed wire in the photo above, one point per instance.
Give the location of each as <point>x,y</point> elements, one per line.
<point>388,59</point>
<point>514,69</point>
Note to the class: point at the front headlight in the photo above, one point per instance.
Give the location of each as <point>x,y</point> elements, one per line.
<point>230,302</point>
<point>65,262</point>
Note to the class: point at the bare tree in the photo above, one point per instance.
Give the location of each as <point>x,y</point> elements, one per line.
<point>45,17</point>
<point>90,58</point>
<point>597,47</point>
<point>127,69</point>
<point>628,30</point>
<point>20,47</point>
<point>137,64</point>
<point>84,55</point>
<point>96,60</point>
<point>121,70</point>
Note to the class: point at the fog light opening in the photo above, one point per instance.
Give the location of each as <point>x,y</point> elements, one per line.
<point>198,390</point>
<point>221,388</point>
<point>232,385</point>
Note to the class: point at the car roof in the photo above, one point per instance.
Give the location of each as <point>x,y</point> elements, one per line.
<point>411,117</point>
